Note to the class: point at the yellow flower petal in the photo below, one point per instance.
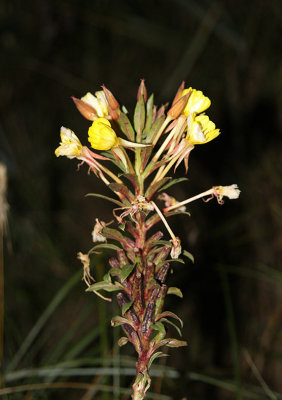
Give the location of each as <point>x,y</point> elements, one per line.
<point>101,135</point>
<point>98,102</point>
<point>196,103</point>
<point>70,145</point>
<point>200,129</point>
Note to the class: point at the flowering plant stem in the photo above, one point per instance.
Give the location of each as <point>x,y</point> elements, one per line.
<point>141,265</point>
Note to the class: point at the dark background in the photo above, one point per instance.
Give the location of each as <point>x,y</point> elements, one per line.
<point>232,307</point>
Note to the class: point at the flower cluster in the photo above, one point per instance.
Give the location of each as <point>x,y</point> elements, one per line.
<point>143,153</point>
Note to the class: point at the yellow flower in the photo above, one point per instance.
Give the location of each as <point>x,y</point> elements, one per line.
<point>196,103</point>
<point>200,129</point>
<point>101,135</point>
<point>98,102</point>
<point>70,145</point>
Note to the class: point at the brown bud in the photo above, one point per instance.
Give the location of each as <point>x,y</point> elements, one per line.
<point>178,107</point>
<point>137,292</point>
<point>162,273</point>
<point>114,114</point>
<point>142,91</point>
<point>122,258</point>
<point>85,109</point>
<point>178,93</point>
<point>148,318</point>
<point>162,254</point>
<point>113,103</point>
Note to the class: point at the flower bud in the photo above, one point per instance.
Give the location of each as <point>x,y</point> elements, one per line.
<point>178,107</point>
<point>142,91</point>
<point>113,103</point>
<point>197,102</point>
<point>101,135</point>
<point>178,93</point>
<point>85,109</point>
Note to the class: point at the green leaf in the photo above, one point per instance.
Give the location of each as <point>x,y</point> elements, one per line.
<point>104,246</point>
<point>176,343</point>
<point>153,188</point>
<point>175,291</point>
<point>106,198</point>
<point>126,307</point>
<point>163,242</point>
<point>177,212</point>
<point>108,287</point>
<point>122,341</point>
<point>110,233</point>
<point>117,321</point>
<point>126,127</point>
<point>171,315</point>
<point>115,271</point>
<point>172,182</point>
<point>118,187</point>
<point>154,129</point>
<point>126,271</point>
<point>188,255</point>
<point>171,323</point>
<point>107,278</point>
<point>158,326</point>
<point>172,343</point>
<point>149,111</point>
<point>133,179</point>
<point>139,117</point>
<point>156,355</point>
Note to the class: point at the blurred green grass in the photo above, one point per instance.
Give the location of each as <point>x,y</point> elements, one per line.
<point>232,294</point>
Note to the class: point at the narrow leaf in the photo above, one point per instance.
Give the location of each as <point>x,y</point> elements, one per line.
<point>126,127</point>
<point>172,182</point>
<point>154,129</point>
<point>145,155</point>
<point>188,255</point>
<point>175,291</point>
<point>108,287</point>
<point>104,246</point>
<point>176,343</point>
<point>156,355</point>
<point>117,187</point>
<point>172,324</point>
<point>133,179</point>
<point>172,343</point>
<point>171,315</point>
<point>122,341</point>
<point>153,188</point>
<point>139,117</point>
<point>117,321</point>
<point>126,271</point>
<point>112,234</point>
<point>107,278</point>
<point>106,198</point>
<point>159,326</point>
<point>126,307</point>
<point>149,110</point>
<point>163,242</point>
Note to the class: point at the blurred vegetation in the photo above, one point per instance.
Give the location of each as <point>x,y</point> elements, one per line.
<point>58,342</point>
